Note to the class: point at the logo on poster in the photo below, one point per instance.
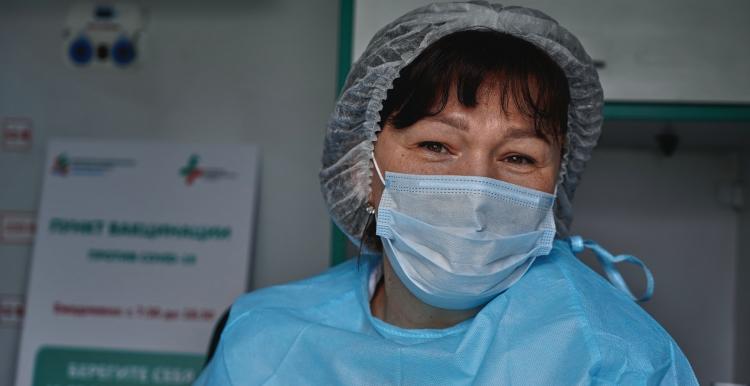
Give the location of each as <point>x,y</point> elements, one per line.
<point>64,165</point>
<point>61,165</point>
<point>192,171</point>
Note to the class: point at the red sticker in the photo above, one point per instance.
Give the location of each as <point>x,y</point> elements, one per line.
<point>17,133</point>
<point>12,309</point>
<point>17,227</point>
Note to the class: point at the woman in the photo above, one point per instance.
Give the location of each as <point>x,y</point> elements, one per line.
<point>455,149</point>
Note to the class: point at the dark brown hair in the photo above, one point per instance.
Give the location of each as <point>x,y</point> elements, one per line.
<point>525,75</point>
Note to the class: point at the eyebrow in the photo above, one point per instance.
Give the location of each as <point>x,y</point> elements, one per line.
<point>524,132</point>
<point>455,122</point>
<point>512,133</point>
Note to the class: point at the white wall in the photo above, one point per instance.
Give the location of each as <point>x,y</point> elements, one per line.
<point>650,47</point>
<point>260,71</point>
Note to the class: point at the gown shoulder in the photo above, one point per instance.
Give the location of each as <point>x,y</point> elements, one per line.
<point>618,333</point>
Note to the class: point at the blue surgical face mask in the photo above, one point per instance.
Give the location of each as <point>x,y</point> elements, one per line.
<point>458,241</point>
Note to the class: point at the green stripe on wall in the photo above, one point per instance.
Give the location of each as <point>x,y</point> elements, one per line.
<point>676,111</point>
<point>346,34</point>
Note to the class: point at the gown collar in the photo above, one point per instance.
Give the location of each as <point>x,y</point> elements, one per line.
<point>370,272</point>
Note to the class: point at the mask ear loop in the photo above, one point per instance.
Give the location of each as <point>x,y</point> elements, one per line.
<point>369,208</point>
<point>377,168</point>
<point>371,211</point>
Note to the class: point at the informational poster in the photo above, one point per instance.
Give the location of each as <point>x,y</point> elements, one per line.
<point>140,247</point>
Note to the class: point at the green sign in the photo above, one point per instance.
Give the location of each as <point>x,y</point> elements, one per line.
<point>62,366</point>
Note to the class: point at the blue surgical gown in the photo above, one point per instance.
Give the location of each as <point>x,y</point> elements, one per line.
<point>561,324</point>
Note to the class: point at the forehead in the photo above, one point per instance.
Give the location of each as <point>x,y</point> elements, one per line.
<point>490,110</point>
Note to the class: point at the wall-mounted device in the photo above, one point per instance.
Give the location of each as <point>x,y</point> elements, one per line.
<point>103,34</point>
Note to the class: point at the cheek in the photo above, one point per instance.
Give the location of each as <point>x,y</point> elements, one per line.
<point>549,181</point>
<point>548,175</point>
<point>543,179</point>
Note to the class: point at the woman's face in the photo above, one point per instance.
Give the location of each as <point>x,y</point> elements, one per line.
<point>479,141</point>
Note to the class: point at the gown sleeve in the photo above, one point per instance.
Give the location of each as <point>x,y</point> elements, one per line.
<point>215,373</point>
<point>680,372</point>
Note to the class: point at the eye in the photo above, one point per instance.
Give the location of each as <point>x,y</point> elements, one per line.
<point>435,147</point>
<point>519,159</point>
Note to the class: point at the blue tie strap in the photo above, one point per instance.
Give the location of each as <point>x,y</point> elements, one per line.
<point>608,261</point>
